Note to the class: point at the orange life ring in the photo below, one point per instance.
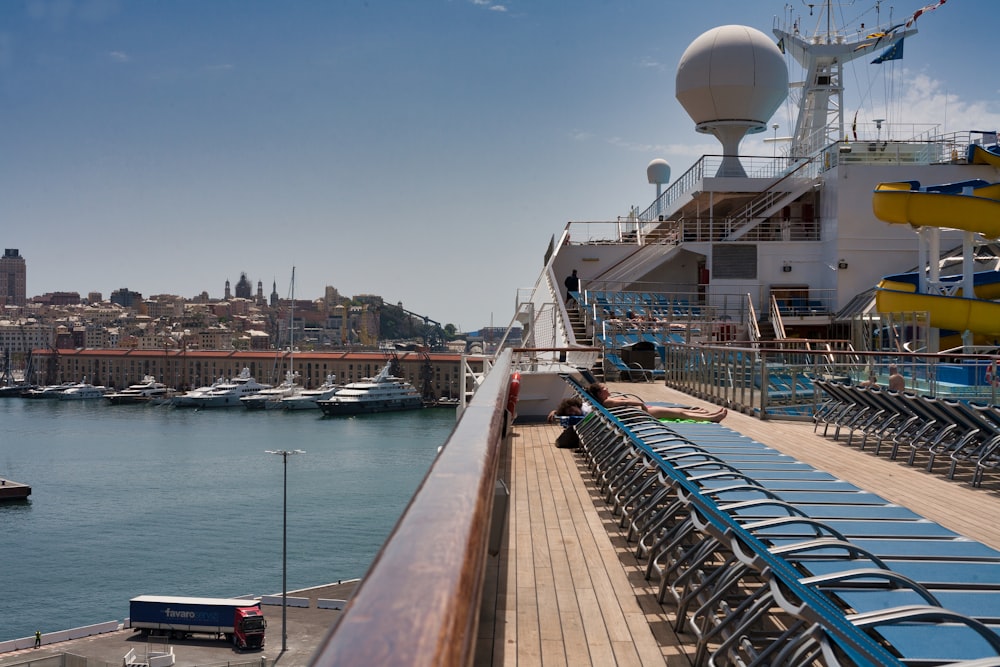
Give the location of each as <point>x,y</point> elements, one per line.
<point>515,389</point>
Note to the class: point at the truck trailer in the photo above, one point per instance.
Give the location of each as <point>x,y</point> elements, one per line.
<point>239,621</point>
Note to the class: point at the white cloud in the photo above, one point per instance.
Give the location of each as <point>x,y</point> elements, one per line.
<point>489,5</point>
<point>928,99</point>
<point>119,56</point>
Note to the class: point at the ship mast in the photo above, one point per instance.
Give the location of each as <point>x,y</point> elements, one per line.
<point>822,56</point>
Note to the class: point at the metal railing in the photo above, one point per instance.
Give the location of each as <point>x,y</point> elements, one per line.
<point>774,380</point>
<point>419,602</point>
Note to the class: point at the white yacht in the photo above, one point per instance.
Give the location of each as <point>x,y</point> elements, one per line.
<point>147,391</point>
<point>270,398</point>
<point>48,391</point>
<point>187,399</point>
<point>307,398</point>
<point>383,393</point>
<point>228,394</point>
<point>82,391</point>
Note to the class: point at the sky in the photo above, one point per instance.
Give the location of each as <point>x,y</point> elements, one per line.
<point>425,151</point>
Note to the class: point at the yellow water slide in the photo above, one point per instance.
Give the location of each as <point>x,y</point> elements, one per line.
<point>979,155</point>
<point>972,206</point>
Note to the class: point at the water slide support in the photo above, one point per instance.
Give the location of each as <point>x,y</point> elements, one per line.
<point>968,282</point>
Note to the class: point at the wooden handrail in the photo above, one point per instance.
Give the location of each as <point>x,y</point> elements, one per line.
<point>419,602</point>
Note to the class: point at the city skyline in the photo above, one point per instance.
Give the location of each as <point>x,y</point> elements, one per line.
<point>231,291</point>
<point>426,151</point>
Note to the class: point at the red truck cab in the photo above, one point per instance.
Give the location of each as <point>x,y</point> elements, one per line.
<point>248,628</point>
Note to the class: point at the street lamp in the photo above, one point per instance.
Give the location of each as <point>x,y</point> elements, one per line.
<point>284,454</point>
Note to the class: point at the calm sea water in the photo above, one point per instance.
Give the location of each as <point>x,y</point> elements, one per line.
<point>133,500</point>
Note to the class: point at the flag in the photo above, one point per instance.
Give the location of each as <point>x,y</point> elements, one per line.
<point>929,8</point>
<point>894,52</point>
<point>877,37</point>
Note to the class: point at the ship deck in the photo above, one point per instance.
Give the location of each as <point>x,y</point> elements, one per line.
<point>567,589</point>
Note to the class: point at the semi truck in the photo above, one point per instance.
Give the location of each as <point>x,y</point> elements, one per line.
<point>239,621</point>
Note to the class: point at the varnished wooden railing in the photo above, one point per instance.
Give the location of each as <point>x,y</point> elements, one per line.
<point>419,602</point>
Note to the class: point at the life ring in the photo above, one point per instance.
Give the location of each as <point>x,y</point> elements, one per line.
<point>515,389</point>
<point>991,375</point>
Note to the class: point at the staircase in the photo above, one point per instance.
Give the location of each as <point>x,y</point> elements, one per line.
<point>580,337</point>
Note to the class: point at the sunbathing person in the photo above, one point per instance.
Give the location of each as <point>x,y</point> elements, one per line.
<point>568,407</point>
<point>603,396</point>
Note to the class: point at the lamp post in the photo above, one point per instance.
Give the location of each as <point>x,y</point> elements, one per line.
<point>284,454</point>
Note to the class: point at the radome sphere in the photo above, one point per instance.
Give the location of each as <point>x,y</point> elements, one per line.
<point>658,172</point>
<point>732,74</point>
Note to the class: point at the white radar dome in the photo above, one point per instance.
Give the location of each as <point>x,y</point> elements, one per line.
<point>658,172</point>
<point>731,80</point>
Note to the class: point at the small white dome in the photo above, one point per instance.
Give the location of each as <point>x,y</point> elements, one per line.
<point>732,74</point>
<point>658,172</point>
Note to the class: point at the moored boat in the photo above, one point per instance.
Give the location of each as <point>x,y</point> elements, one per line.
<point>307,398</point>
<point>383,393</point>
<point>187,399</point>
<point>228,394</point>
<point>83,391</point>
<point>49,391</point>
<point>270,398</point>
<point>10,390</point>
<point>147,391</point>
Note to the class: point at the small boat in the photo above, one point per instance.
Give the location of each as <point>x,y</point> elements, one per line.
<point>228,394</point>
<point>82,391</point>
<point>383,393</point>
<point>147,391</point>
<point>307,398</point>
<point>270,398</point>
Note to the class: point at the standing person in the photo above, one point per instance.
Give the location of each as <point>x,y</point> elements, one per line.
<point>38,638</point>
<point>572,283</point>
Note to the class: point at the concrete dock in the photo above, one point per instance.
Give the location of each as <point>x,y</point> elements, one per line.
<point>11,490</point>
<point>307,626</point>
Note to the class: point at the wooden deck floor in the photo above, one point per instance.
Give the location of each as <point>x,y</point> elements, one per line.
<point>566,589</point>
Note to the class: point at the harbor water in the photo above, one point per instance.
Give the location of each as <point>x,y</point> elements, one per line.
<point>134,500</point>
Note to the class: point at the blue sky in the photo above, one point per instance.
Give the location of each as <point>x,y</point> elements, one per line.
<point>425,151</point>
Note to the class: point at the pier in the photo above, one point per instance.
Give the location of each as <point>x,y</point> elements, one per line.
<point>311,612</point>
<point>11,490</point>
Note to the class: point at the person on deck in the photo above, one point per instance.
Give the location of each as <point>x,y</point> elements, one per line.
<point>601,394</point>
<point>896,381</point>
<point>568,407</point>
<point>572,283</point>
